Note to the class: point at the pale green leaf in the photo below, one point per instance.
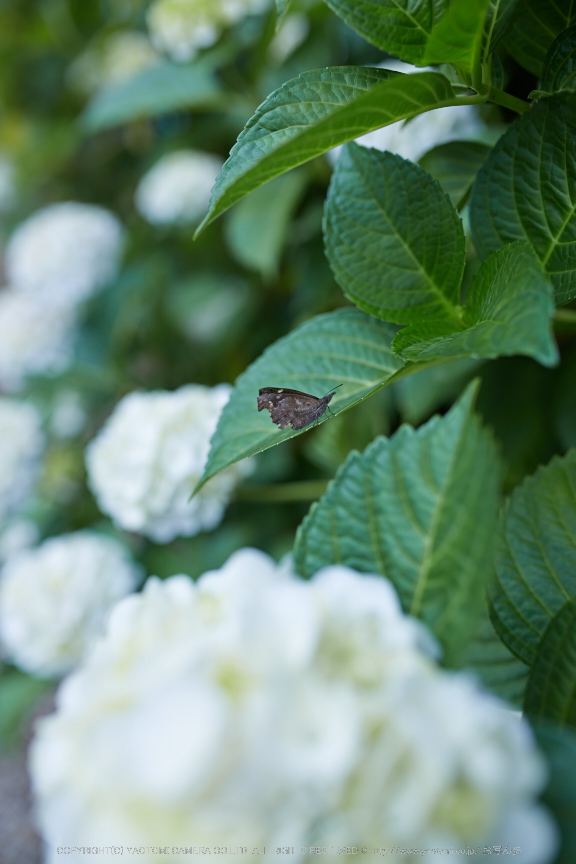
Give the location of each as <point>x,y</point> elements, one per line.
<point>456,37</point>
<point>343,347</point>
<point>157,90</point>
<point>509,311</point>
<point>559,72</point>
<point>535,555</point>
<point>551,690</point>
<point>535,25</point>
<point>394,241</point>
<point>313,113</point>
<point>526,190</point>
<point>455,166</point>
<point>256,228</point>
<point>419,508</point>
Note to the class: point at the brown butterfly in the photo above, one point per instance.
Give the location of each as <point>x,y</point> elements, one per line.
<point>293,406</point>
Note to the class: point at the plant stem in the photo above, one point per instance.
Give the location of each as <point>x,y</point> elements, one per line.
<point>565,319</point>
<point>508,101</point>
<point>278,493</point>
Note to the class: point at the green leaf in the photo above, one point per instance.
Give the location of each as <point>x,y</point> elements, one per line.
<point>394,241</point>
<point>559,746</point>
<point>343,347</point>
<point>313,113</point>
<point>419,508</point>
<point>498,19</point>
<point>508,311</point>
<point>456,36</point>
<point>282,7</point>
<point>526,190</point>
<point>256,228</point>
<point>535,26</point>
<point>455,166</point>
<point>535,555</point>
<point>551,690</point>
<point>420,394</point>
<point>157,90</point>
<point>559,71</point>
<point>496,667</point>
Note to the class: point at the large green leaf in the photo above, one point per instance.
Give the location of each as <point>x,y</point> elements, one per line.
<point>343,347</point>
<point>498,19</point>
<point>551,691</point>
<point>559,746</point>
<point>399,27</point>
<point>420,508</point>
<point>508,311</point>
<point>535,26</point>
<point>394,241</point>
<point>456,37</point>
<point>526,190</point>
<point>497,668</point>
<point>559,72</point>
<point>162,88</point>
<point>313,113</point>
<point>535,555</point>
<point>455,166</point>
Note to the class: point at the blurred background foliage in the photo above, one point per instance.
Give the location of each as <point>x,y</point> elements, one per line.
<point>181,311</point>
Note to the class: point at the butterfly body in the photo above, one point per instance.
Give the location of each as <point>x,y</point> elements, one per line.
<point>292,407</point>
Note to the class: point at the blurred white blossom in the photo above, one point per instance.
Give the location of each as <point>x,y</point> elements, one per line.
<point>145,462</point>
<point>35,339</point>
<point>64,253</point>
<point>16,534</point>
<point>21,448</point>
<point>414,138</point>
<point>55,599</point>
<point>121,56</point>
<point>68,417</point>
<point>177,188</point>
<point>181,28</point>
<point>255,709</point>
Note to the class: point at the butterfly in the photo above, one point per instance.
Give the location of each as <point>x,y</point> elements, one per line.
<point>293,407</point>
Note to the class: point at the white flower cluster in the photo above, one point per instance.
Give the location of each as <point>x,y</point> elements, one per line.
<point>145,462</point>
<point>54,600</point>
<point>181,28</point>
<point>121,56</point>
<point>255,709</point>
<point>177,188</point>
<point>58,257</point>
<point>22,445</point>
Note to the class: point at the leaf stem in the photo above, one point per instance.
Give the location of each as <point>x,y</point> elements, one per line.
<point>565,319</point>
<point>507,101</point>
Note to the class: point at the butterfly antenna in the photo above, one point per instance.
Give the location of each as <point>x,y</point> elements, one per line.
<point>334,388</point>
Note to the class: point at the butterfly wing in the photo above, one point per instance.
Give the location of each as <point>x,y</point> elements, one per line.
<point>290,407</point>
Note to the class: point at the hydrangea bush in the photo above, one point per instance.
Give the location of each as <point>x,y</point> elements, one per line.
<point>370,198</point>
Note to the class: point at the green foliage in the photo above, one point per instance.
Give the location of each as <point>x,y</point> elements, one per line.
<point>525,191</point>
<point>559,746</point>
<point>456,36</point>
<point>535,553</point>
<point>393,239</point>
<point>165,87</point>
<point>559,70</point>
<point>498,18</point>
<point>315,112</point>
<point>455,166</point>
<point>535,26</point>
<point>344,347</point>
<point>551,691</point>
<point>508,311</point>
<point>419,508</point>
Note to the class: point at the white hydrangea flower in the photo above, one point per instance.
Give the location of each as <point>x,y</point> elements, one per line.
<point>65,252</point>
<point>177,188</point>
<point>22,445</point>
<point>255,709</point>
<point>54,600</point>
<point>145,462</point>
<point>121,56</point>
<point>181,28</point>
<point>35,338</point>
<point>411,140</point>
